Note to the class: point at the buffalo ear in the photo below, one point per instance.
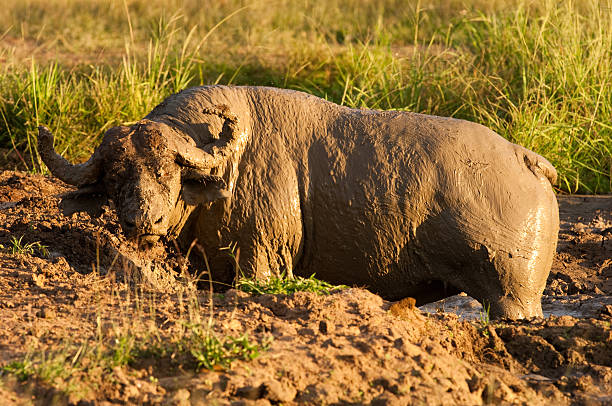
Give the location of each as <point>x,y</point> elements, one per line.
<point>89,199</point>
<point>200,187</point>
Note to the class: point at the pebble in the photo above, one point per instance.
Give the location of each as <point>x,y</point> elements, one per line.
<point>274,391</point>
<point>407,347</point>
<point>249,392</point>
<point>46,313</point>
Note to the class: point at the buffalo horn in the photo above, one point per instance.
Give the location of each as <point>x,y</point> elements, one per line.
<point>215,153</point>
<point>77,175</point>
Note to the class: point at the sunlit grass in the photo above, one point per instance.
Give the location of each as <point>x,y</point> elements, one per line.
<point>538,73</point>
<point>286,286</point>
<point>17,246</point>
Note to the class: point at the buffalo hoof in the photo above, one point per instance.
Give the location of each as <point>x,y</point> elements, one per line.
<point>506,308</point>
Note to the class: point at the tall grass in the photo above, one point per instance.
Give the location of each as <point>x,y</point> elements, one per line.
<point>538,73</point>
<point>79,105</point>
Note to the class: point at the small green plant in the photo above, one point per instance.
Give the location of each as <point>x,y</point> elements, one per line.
<point>47,366</point>
<point>21,369</point>
<point>66,368</point>
<point>283,285</point>
<point>30,248</point>
<point>124,350</point>
<point>210,352</point>
<point>484,319</point>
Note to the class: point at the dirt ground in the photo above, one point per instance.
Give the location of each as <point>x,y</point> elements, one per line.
<point>82,283</point>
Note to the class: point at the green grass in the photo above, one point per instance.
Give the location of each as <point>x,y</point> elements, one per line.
<point>21,369</point>
<point>537,72</point>
<point>30,248</point>
<point>484,319</point>
<point>79,369</point>
<point>286,286</point>
<point>64,367</point>
<point>210,352</point>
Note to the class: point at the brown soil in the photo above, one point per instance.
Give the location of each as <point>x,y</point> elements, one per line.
<point>349,347</point>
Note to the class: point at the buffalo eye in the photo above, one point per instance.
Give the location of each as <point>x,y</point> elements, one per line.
<point>199,187</point>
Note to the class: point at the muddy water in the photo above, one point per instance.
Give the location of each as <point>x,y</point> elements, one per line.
<point>570,305</point>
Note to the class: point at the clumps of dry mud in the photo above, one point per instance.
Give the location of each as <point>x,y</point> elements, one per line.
<point>29,212</point>
<point>349,347</point>
<point>583,264</point>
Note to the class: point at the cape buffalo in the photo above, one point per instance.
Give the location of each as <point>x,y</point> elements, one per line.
<point>403,203</point>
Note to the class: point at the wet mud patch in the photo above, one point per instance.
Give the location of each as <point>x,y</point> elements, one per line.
<point>348,347</point>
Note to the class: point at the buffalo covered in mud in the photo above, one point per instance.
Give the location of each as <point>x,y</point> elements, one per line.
<point>403,203</point>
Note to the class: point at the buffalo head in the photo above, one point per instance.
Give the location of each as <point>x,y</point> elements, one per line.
<point>153,173</point>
